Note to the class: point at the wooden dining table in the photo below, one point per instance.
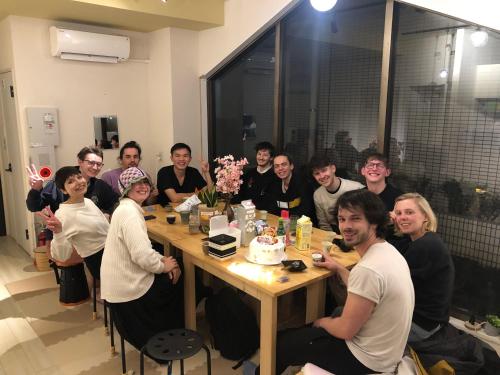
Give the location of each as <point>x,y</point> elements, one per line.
<point>261,282</point>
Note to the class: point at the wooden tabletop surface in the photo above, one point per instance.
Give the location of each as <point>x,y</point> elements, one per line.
<point>264,277</point>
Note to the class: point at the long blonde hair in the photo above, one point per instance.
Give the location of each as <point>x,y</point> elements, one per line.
<point>431,224</point>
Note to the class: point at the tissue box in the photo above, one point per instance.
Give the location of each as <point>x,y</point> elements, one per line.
<point>222,246</point>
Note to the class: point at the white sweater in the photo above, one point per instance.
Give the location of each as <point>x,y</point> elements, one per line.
<point>129,262</point>
<point>324,201</point>
<point>84,227</point>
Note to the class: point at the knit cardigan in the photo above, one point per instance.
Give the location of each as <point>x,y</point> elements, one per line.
<point>129,261</point>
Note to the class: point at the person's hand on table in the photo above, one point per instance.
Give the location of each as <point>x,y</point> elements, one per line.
<point>51,221</point>
<point>36,181</point>
<point>328,262</point>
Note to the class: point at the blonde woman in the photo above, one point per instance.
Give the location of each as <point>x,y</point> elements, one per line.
<point>430,264</point>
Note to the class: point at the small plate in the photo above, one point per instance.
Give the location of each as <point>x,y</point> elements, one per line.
<point>294,265</point>
<point>266,264</point>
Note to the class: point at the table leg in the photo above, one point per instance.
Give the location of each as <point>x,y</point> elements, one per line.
<point>189,292</point>
<point>268,330</point>
<point>315,305</point>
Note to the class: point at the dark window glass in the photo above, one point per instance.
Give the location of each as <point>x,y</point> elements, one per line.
<point>446,142</point>
<point>331,82</point>
<point>243,97</point>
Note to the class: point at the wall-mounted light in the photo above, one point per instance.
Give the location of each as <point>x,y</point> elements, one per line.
<point>163,1</point>
<point>443,73</point>
<point>323,5</point>
<point>479,38</point>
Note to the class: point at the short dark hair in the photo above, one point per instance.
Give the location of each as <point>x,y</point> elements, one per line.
<point>368,202</point>
<point>320,161</point>
<point>286,155</point>
<point>89,150</point>
<point>130,144</point>
<point>63,174</point>
<point>180,146</point>
<point>115,138</point>
<point>265,146</point>
<point>377,156</point>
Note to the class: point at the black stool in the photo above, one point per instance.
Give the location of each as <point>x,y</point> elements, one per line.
<point>175,344</point>
<point>73,285</point>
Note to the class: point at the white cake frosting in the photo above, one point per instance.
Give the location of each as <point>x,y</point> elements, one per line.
<point>266,250</point>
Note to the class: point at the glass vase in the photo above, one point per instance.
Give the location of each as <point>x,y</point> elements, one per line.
<point>228,210</point>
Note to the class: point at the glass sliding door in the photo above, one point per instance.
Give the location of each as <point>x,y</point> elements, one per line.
<point>331,82</point>
<point>446,125</point>
<point>242,96</point>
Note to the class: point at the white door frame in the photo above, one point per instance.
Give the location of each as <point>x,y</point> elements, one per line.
<point>11,158</point>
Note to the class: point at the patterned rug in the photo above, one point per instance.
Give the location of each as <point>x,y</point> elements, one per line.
<point>78,345</point>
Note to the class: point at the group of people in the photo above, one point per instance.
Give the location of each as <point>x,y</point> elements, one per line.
<point>392,296</point>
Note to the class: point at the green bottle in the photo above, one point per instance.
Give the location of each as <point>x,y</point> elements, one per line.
<point>281,233</point>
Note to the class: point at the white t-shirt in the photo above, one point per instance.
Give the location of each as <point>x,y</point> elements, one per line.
<point>84,227</point>
<point>382,276</point>
<point>324,201</point>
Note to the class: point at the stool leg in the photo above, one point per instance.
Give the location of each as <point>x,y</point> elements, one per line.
<point>141,363</point>
<point>169,368</point>
<point>182,367</point>
<point>94,289</point>
<point>209,360</point>
<point>124,364</point>
<point>105,311</point>
<point>112,336</point>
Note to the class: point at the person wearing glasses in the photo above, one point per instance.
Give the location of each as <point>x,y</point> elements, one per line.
<point>89,164</point>
<point>98,191</point>
<point>375,171</point>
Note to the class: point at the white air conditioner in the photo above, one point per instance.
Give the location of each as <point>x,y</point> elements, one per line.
<point>85,46</point>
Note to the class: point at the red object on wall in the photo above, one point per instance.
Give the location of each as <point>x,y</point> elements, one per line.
<point>45,172</point>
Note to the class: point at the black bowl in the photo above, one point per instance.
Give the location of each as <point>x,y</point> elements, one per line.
<point>171,219</point>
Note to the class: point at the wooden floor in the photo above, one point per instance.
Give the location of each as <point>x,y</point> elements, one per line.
<point>63,347</point>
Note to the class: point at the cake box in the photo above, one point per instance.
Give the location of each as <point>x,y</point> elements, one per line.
<point>222,246</point>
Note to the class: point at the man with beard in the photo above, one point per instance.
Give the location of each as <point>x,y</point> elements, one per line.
<point>371,333</point>
<point>256,181</point>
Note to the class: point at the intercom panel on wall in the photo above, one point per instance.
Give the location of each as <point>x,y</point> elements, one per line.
<point>43,126</point>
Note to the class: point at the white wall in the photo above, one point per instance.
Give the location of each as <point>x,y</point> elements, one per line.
<point>482,12</point>
<point>186,91</point>
<point>160,98</point>
<point>80,90</point>
<point>242,18</point>
<point>6,45</point>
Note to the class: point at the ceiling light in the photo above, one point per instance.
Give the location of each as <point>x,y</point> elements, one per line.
<point>163,1</point>
<point>323,5</point>
<point>479,38</point>
<point>443,73</point>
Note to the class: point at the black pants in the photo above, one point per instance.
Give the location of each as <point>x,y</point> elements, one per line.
<point>160,309</point>
<point>295,347</point>
<point>93,263</point>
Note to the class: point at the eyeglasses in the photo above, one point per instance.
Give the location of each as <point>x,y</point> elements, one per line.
<point>374,166</point>
<point>94,163</point>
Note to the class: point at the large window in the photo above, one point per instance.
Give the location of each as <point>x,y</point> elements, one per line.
<point>242,95</point>
<point>331,82</point>
<point>442,132</point>
<point>446,123</point>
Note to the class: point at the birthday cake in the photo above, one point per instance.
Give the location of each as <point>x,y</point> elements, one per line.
<point>266,249</point>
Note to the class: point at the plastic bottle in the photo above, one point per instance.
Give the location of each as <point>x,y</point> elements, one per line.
<point>194,220</point>
<point>280,232</point>
<point>286,223</point>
